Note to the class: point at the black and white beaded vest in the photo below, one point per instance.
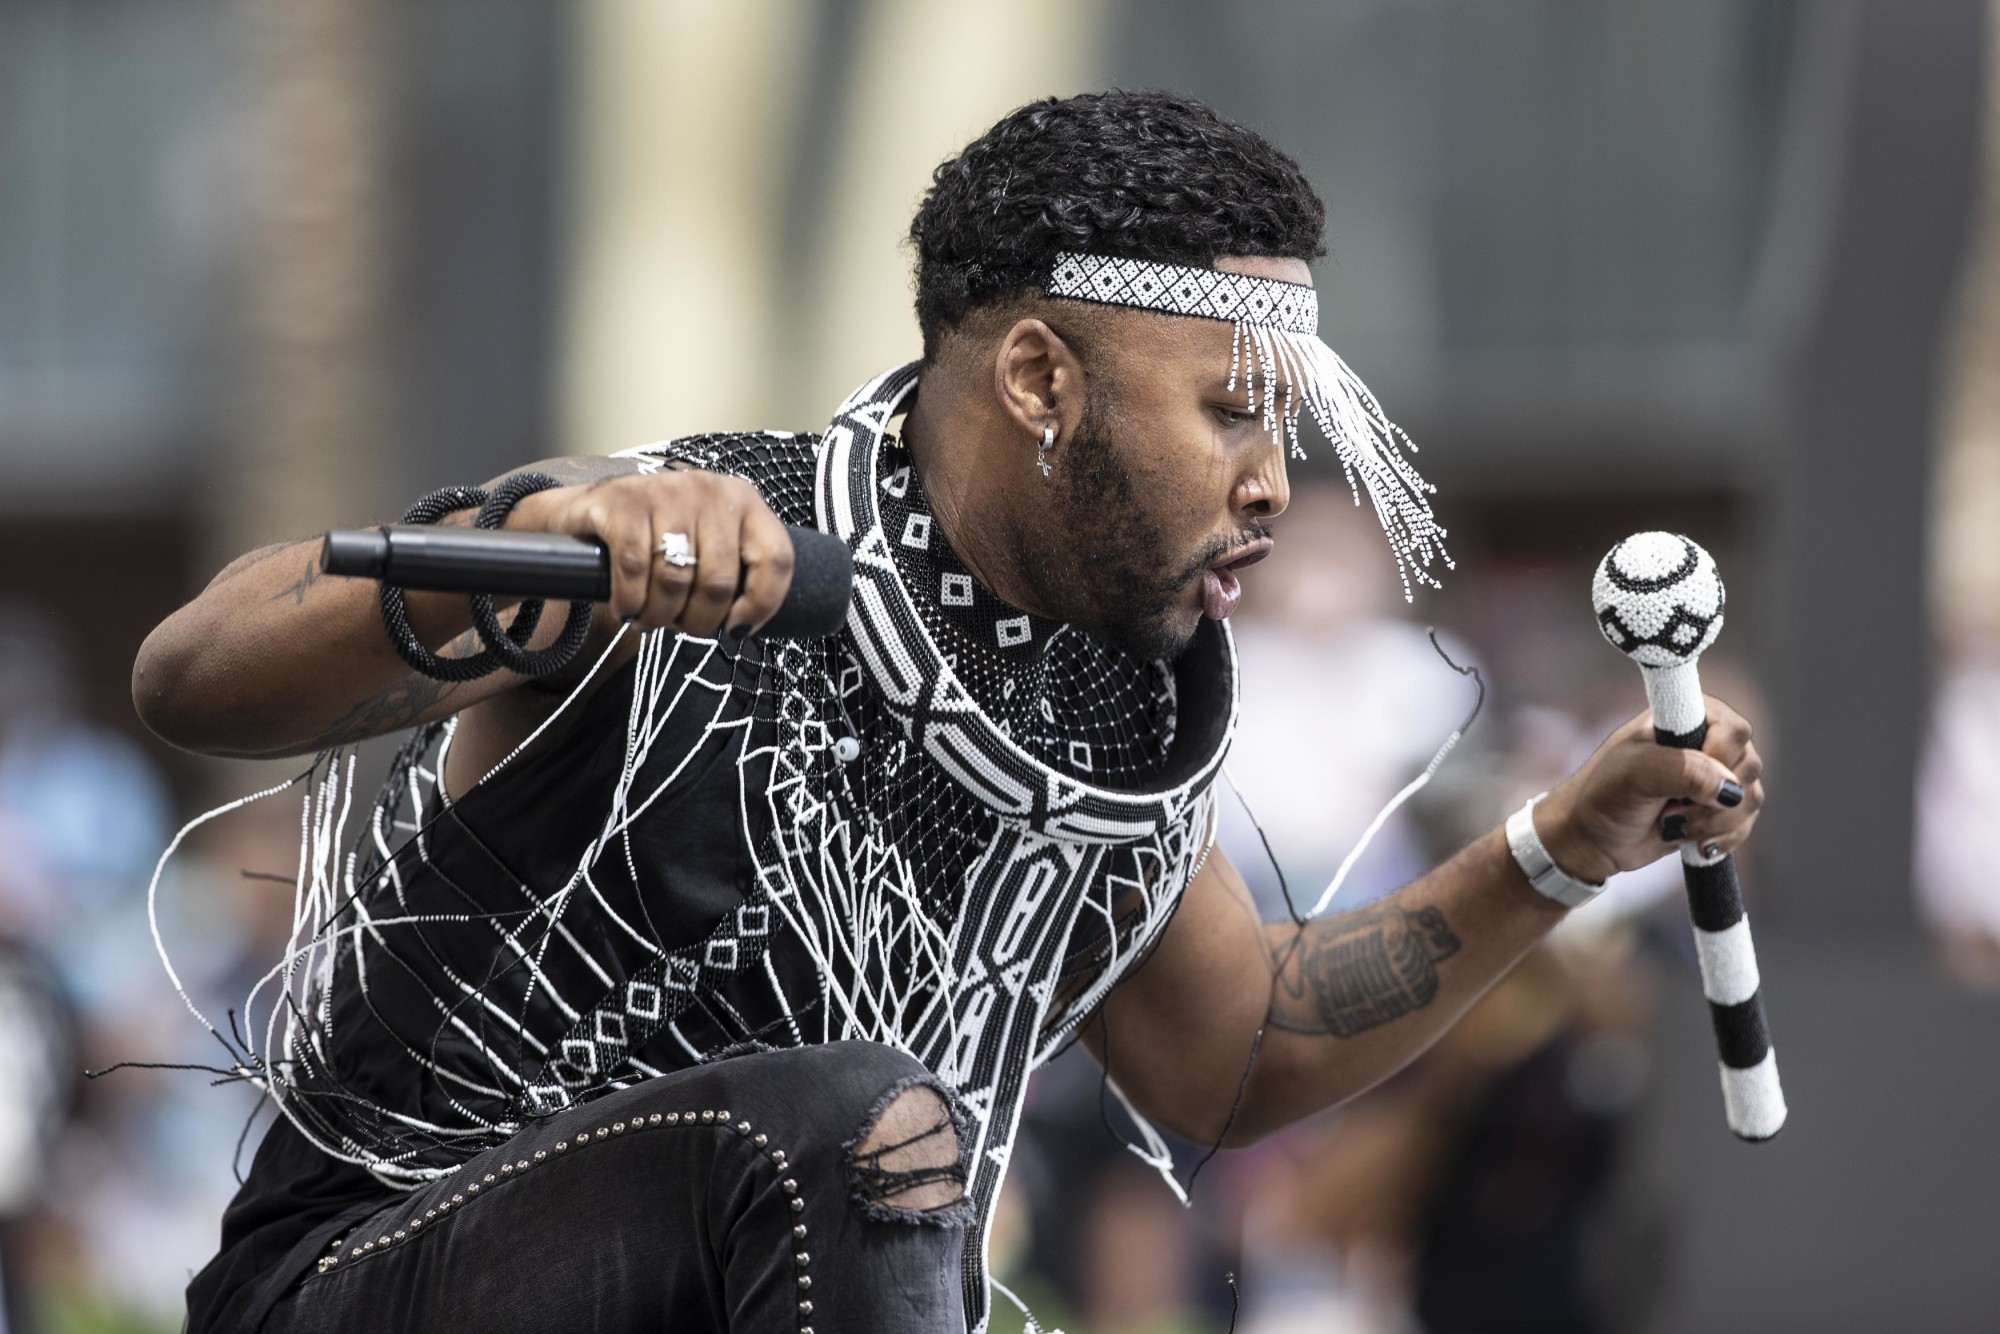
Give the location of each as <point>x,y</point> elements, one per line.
<point>951,829</point>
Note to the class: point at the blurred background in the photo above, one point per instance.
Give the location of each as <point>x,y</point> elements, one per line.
<point>1728,267</point>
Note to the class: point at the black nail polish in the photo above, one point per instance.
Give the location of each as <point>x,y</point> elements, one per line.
<point>733,637</point>
<point>1711,850</point>
<point>1674,828</point>
<point>1731,793</point>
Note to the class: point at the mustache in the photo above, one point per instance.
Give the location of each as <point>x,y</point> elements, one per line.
<point>1254,531</point>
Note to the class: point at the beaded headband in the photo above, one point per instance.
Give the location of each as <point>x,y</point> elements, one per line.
<point>1175,289</point>
<point>1276,325</point>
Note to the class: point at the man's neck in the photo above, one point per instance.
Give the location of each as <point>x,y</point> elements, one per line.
<point>953,447</point>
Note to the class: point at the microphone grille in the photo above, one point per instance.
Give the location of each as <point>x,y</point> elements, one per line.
<point>822,585</point>
<point>1659,599</point>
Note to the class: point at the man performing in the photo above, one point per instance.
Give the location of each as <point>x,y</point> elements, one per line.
<point>694,982</point>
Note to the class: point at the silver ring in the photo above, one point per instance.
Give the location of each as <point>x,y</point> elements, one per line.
<point>676,550</point>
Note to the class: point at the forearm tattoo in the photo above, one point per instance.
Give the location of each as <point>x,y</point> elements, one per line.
<point>296,590</point>
<point>1345,975</point>
<point>402,704</point>
<point>390,711</point>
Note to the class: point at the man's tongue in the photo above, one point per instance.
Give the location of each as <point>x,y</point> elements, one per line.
<point>1220,590</point>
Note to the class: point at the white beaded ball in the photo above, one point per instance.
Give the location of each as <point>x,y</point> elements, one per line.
<point>1658,598</point>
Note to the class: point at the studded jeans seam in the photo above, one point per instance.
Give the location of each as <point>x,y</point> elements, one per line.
<point>717,1118</point>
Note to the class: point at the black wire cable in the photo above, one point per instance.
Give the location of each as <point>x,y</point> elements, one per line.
<point>505,647</point>
<point>395,611</point>
<point>508,645</point>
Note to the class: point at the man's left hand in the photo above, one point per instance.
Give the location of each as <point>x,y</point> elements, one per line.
<point>1635,799</point>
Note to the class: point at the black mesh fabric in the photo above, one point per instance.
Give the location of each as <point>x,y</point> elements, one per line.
<point>478,981</point>
<point>1077,705</point>
<point>954,851</point>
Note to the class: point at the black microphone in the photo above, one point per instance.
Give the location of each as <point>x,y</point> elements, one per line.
<point>511,564</point>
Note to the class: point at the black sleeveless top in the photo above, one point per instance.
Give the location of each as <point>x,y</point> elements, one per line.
<point>528,824</point>
<point>483,864</point>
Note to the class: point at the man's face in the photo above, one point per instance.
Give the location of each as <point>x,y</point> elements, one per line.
<point>1167,487</point>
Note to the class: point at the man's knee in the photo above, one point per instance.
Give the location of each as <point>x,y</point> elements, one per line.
<point>902,1135</point>
<point>906,1163</point>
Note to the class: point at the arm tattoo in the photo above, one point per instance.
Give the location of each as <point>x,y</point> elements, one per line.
<point>390,711</point>
<point>1345,975</point>
<point>296,590</point>
<point>401,705</point>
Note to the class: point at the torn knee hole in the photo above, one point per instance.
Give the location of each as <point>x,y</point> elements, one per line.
<point>908,1160</point>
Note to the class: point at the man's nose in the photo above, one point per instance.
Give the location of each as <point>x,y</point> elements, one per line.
<point>1264,492</point>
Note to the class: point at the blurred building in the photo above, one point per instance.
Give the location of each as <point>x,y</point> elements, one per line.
<point>269,265</point>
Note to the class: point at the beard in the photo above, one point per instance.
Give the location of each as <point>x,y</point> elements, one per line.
<point>1102,558</point>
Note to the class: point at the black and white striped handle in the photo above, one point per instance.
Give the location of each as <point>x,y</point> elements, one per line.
<point>1659,600</point>
<point>1752,1099</point>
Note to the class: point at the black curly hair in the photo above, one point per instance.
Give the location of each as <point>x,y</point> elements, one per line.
<point>1145,175</point>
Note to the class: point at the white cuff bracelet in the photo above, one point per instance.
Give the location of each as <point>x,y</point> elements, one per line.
<point>1549,880</point>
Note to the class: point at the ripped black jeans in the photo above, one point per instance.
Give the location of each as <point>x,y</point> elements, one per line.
<point>815,1189</point>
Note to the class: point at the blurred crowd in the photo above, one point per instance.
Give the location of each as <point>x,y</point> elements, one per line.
<point>112,1180</point>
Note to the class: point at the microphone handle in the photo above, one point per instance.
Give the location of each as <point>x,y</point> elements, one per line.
<point>505,563</point>
<point>1753,1099</point>
<point>499,562</point>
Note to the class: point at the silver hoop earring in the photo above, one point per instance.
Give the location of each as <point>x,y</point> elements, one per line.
<point>1042,454</point>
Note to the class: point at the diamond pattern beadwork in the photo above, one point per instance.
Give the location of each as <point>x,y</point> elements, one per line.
<point>1176,289</point>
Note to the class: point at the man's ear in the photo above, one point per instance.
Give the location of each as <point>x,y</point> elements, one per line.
<point>1038,379</point>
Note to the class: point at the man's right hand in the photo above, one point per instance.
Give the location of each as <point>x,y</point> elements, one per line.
<point>274,658</point>
<point>742,553</point>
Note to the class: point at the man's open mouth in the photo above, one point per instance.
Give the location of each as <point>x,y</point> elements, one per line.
<point>1244,557</point>
<point>1220,589</point>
